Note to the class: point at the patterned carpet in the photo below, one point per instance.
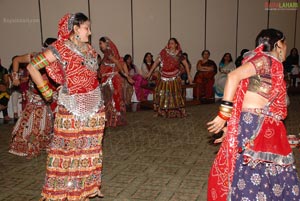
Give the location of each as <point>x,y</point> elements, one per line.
<point>149,159</point>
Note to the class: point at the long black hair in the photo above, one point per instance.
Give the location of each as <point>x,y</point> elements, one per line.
<point>223,58</point>
<point>269,38</point>
<point>48,42</point>
<point>145,56</point>
<point>103,39</point>
<point>292,59</point>
<point>126,57</point>
<point>79,19</point>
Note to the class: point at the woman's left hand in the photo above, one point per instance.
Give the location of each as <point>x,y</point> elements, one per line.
<point>130,80</point>
<point>216,125</point>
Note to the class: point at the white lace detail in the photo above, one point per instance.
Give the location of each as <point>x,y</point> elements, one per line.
<point>83,105</point>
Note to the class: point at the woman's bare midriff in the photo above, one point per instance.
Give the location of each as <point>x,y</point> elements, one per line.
<point>253,100</point>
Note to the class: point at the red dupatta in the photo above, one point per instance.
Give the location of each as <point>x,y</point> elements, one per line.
<point>170,63</point>
<point>221,173</point>
<point>111,51</point>
<point>70,68</point>
<point>64,30</point>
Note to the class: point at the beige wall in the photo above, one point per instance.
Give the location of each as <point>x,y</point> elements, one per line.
<point>53,10</point>
<point>250,24</point>
<point>221,28</point>
<point>284,20</point>
<point>188,26</point>
<point>20,28</point>
<point>138,26</point>
<point>151,27</point>
<point>297,40</point>
<point>112,18</point>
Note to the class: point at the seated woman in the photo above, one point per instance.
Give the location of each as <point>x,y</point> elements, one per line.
<point>145,68</point>
<point>128,90</point>
<point>239,59</point>
<point>226,66</point>
<point>141,79</point>
<point>183,73</point>
<point>204,78</point>
<point>291,66</point>
<point>4,95</point>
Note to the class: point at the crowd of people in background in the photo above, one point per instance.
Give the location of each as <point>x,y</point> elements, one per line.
<point>210,79</point>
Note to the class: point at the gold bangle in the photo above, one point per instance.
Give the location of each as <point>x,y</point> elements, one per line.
<point>44,89</point>
<point>227,106</point>
<point>45,82</point>
<point>225,114</point>
<point>224,109</point>
<point>39,62</point>
<point>48,93</point>
<point>222,116</point>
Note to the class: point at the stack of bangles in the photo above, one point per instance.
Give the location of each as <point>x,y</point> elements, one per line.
<point>39,62</point>
<point>225,110</point>
<point>45,90</point>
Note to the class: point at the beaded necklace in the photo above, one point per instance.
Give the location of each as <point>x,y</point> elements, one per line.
<point>89,60</point>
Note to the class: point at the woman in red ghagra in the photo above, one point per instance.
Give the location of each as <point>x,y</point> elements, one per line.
<point>111,68</point>
<point>255,161</point>
<point>168,100</point>
<point>74,162</point>
<point>33,131</point>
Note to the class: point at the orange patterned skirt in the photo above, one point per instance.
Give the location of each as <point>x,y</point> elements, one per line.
<point>74,162</point>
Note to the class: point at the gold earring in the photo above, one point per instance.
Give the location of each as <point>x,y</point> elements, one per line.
<point>280,56</point>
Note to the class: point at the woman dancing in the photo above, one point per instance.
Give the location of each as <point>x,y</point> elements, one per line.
<point>111,68</point>
<point>74,161</point>
<point>33,130</point>
<point>168,100</point>
<point>255,161</point>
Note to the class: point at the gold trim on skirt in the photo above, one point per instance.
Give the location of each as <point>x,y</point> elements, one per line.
<point>168,100</point>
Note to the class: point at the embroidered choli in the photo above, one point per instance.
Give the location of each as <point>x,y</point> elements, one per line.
<point>77,73</point>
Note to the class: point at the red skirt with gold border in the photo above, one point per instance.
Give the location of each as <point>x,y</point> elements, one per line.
<point>74,162</point>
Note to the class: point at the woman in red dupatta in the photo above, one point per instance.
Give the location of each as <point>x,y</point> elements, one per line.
<point>33,131</point>
<point>255,161</point>
<point>111,68</point>
<point>168,100</point>
<point>74,162</point>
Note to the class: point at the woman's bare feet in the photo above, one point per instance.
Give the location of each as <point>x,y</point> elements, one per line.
<point>101,195</point>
